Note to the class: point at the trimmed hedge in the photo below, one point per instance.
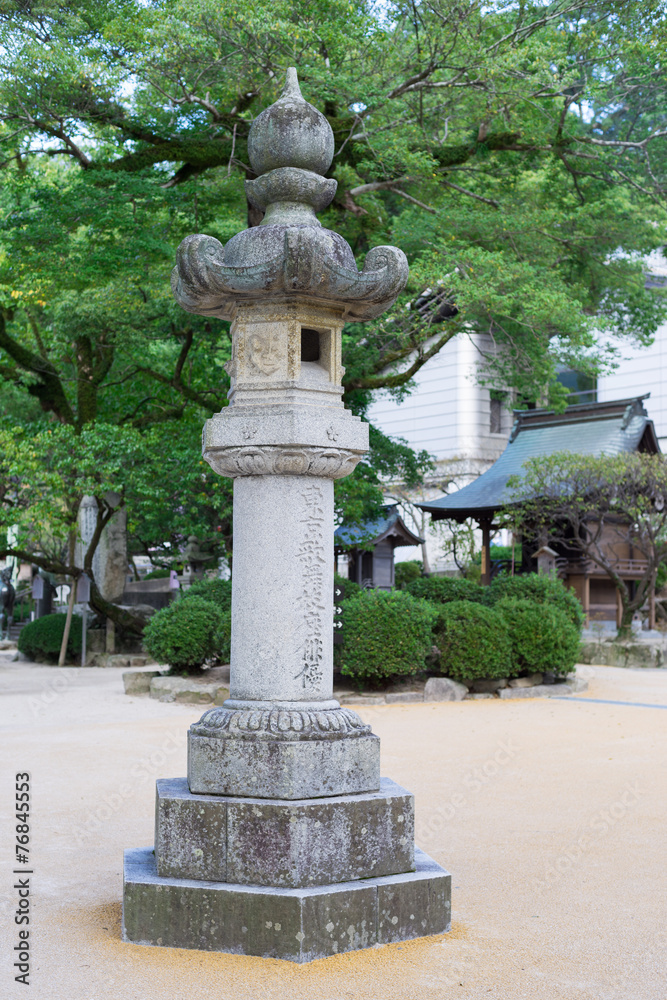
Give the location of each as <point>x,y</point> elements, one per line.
<point>473,642</point>
<point>217,591</point>
<point>41,640</point>
<point>186,634</point>
<point>539,589</point>
<point>158,574</point>
<point>406,572</point>
<point>542,636</point>
<point>386,634</point>
<point>443,589</point>
<point>350,588</point>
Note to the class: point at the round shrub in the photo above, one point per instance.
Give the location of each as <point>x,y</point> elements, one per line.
<point>224,637</point>
<point>185,634</point>
<point>217,591</point>
<point>542,636</point>
<point>473,642</point>
<point>443,589</point>
<point>539,589</point>
<point>386,634</point>
<point>350,588</point>
<point>41,640</point>
<point>406,572</point>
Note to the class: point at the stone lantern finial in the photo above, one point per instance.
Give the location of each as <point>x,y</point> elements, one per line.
<point>290,146</point>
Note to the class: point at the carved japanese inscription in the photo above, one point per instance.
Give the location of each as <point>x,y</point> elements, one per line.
<point>311,601</point>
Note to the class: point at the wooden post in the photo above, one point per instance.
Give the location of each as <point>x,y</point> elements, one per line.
<point>651,608</point>
<point>619,608</point>
<point>587,599</point>
<point>485,525</point>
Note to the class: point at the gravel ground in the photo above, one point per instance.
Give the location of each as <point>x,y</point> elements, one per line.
<point>549,813</point>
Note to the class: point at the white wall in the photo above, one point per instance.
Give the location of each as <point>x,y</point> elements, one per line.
<point>447,414</point>
<point>643,369</point>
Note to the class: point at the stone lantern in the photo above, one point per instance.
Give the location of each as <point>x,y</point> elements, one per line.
<point>284,841</point>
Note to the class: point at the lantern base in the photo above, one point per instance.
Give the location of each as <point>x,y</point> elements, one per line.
<point>297,925</point>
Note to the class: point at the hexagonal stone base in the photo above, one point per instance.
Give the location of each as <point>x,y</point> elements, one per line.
<point>276,769</point>
<point>282,843</point>
<point>298,925</point>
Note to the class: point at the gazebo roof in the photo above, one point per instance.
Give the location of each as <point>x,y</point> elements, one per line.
<point>585,429</point>
<point>390,525</point>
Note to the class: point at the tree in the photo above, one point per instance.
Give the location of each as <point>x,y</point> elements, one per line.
<point>510,148</point>
<point>515,151</point>
<point>608,509</point>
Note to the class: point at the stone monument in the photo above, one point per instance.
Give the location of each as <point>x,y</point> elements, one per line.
<point>284,841</point>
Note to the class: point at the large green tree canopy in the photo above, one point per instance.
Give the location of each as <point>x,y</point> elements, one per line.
<point>515,149</point>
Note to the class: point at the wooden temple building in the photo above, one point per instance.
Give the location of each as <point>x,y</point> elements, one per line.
<point>370,548</point>
<point>585,429</point>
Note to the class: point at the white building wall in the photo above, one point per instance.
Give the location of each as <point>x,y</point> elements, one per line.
<point>642,369</point>
<point>449,416</point>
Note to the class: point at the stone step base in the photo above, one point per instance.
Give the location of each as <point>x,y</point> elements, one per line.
<point>277,769</point>
<point>282,843</point>
<point>298,925</point>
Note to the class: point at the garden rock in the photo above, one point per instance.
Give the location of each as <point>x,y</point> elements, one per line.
<point>444,689</point>
<point>539,691</point>
<point>188,690</point>
<point>138,681</point>
<point>526,682</point>
<point>398,697</point>
<point>486,686</point>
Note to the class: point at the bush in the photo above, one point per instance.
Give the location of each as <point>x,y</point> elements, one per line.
<point>443,589</point>
<point>406,572</point>
<point>217,591</point>
<point>539,589</point>
<point>473,642</point>
<point>386,634</point>
<point>542,636</point>
<point>350,588</point>
<point>41,640</point>
<point>224,637</point>
<point>157,574</point>
<point>185,634</point>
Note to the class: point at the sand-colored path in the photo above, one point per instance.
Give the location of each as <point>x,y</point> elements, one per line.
<point>551,815</point>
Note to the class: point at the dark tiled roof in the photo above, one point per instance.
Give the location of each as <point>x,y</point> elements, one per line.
<point>390,525</point>
<point>585,429</point>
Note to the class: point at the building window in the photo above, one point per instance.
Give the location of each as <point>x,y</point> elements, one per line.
<point>581,388</point>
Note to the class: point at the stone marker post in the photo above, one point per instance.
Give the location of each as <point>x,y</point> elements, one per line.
<point>284,841</point>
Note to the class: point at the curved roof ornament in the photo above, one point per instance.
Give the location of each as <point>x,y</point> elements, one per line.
<point>290,146</point>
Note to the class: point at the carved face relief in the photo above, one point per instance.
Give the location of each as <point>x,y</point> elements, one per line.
<point>265,351</point>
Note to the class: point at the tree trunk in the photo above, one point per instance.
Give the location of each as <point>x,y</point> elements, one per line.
<point>128,622</point>
<point>70,604</point>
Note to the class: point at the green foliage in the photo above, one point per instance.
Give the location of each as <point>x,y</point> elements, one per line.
<point>407,571</point>
<point>125,128</point>
<point>540,589</point>
<point>216,590</point>
<point>41,639</point>
<point>185,635</point>
<point>597,507</point>
<point>473,642</point>
<point>158,574</point>
<point>542,636</point>
<point>443,589</point>
<point>224,637</point>
<point>386,634</point>
<point>350,588</point>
